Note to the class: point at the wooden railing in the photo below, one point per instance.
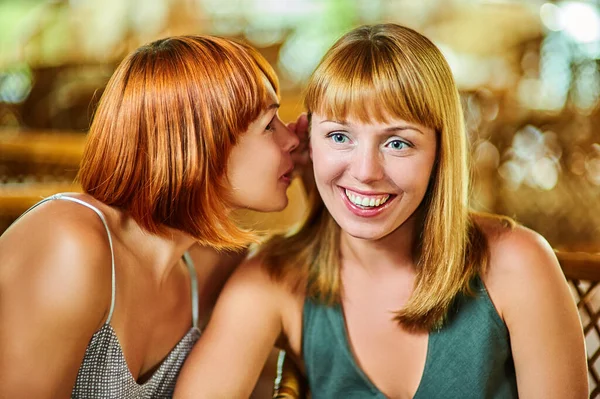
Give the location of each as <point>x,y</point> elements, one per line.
<point>34,165</point>
<point>582,271</point>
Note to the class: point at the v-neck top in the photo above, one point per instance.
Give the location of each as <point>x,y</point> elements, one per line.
<point>469,357</point>
<point>104,372</point>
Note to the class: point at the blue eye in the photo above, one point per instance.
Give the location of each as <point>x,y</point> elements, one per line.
<point>269,127</point>
<point>397,144</point>
<point>338,138</point>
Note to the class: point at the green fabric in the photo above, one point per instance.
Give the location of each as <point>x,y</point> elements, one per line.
<point>469,357</point>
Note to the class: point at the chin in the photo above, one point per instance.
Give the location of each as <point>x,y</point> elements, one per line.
<point>280,208</point>
<point>360,232</point>
<point>366,235</point>
<point>274,206</point>
<point>284,203</point>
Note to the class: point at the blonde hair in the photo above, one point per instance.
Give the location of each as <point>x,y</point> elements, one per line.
<point>373,73</point>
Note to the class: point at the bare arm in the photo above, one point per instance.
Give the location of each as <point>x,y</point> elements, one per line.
<point>241,333</point>
<point>52,299</point>
<point>547,341</point>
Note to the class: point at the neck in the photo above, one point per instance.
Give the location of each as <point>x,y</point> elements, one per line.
<point>392,252</point>
<point>162,253</point>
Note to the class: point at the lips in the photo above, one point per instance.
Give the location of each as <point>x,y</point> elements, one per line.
<point>287,175</point>
<point>288,172</point>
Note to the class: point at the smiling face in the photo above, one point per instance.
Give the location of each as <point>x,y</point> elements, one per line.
<point>259,167</point>
<point>371,176</point>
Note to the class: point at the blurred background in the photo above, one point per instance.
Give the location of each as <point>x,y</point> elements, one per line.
<point>528,72</point>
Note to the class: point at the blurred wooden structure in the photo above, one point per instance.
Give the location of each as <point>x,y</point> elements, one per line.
<point>34,165</point>
<point>582,271</point>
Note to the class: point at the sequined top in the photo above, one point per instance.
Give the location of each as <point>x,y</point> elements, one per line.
<point>104,372</point>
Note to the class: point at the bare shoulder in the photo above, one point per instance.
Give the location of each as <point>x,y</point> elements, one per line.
<point>526,284</point>
<point>516,249</point>
<point>252,279</point>
<point>522,267</point>
<point>55,285</point>
<point>57,259</point>
<point>253,274</point>
<point>257,270</point>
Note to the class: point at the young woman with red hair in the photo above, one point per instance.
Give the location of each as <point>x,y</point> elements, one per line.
<point>104,293</point>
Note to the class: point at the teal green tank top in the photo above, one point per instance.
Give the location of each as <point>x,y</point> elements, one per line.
<point>469,357</point>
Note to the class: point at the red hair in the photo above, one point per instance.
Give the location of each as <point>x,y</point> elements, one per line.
<point>163,131</point>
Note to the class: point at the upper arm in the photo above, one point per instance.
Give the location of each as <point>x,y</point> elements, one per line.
<point>240,335</point>
<point>531,294</point>
<point>54,293</point>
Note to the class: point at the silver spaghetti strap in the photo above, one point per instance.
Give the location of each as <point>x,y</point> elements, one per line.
<point>110,243</point>
<point>194,285</point>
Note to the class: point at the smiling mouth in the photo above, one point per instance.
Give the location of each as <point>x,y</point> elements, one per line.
<point>367,201</point>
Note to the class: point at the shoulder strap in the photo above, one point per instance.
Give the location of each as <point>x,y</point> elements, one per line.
<point>110,243</point>
<point>194,287</point>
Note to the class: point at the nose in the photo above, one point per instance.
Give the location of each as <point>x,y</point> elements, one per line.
<point>287,140</point>
<point>367,166</point>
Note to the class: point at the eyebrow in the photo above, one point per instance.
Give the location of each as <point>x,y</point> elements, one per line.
<point>390,129</point>
<point>331,121</point>
<point>393,129</point>
<point>273,106</point>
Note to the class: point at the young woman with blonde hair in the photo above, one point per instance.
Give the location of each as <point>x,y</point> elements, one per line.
<point>103,294</point>
<point>392,287</point>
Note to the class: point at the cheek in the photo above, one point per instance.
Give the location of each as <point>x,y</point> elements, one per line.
<point>255,168</point>
<point>265,158</point>
<point>327,164</point>
<point>411,175</point>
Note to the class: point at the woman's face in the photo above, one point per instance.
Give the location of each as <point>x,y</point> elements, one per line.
<point>372,177</point>
<point>260,166</point>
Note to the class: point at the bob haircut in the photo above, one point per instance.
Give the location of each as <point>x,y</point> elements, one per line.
<point>163,131</point>
<point>375,73</point>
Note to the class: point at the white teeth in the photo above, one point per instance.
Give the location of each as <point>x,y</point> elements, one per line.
<point>367,201</point>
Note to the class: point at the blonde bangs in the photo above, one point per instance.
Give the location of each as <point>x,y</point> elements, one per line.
<point>360,83</point>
